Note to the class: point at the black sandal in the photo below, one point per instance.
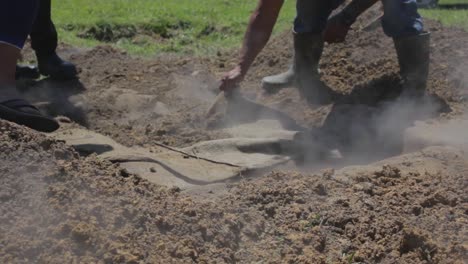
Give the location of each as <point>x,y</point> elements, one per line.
<point>23,113</point>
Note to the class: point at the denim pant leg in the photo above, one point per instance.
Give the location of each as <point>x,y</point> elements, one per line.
<point>16,20</point>
<point>401,18</point>
<point>312,15</point>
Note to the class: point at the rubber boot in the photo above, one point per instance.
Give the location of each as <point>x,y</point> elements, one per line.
<point>15,109</point>
<point>277,82</point>
<point>26,72</point>
<point>53,66</point>
<point>308,51</point>
<point>413,56</point>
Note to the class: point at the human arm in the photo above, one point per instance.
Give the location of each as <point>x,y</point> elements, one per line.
<point>259,30</point>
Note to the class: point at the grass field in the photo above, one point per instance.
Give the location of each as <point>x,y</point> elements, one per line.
<point>147,27</point>
<point>448,16</point>
<point>189,26</point>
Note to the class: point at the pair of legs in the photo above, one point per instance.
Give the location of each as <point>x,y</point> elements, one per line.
<point>16,20</point>
<point>44,42</point>
<point>401,18</point>
<point>401,21</point>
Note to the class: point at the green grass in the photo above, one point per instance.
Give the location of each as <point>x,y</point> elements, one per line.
<point>449,17</point>
<point>201,27</point>
<point>182,26</point>
<point>451,2</point>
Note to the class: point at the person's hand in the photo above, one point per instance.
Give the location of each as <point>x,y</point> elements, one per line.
<point>231,79</point>
<point>337,28</point>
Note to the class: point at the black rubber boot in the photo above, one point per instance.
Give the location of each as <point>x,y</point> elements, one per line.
<point>26,72</point>
<point>308,51</point>
<point>413,56</point>
<point>56,68</point>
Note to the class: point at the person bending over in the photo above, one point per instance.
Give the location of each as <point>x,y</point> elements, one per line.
<point>312,27</point>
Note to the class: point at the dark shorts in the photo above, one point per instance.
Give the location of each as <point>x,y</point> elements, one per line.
<point>401,17</point>
<point>16,20</point>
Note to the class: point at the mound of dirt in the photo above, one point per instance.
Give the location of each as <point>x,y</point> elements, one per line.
<point>57,207</point>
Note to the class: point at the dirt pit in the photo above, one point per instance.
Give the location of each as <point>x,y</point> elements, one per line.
<point>60,207</point>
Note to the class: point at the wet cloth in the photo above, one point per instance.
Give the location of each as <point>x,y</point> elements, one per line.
<point>401,17</point>
<point>16,21</point>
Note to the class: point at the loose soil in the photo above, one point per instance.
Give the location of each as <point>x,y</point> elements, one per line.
<point>60,207</point>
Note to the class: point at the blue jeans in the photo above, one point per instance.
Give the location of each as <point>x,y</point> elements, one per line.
<point>401,17</point>
<point>16,20</point>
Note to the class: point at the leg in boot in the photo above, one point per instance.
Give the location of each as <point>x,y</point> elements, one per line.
<point>311,20</point>
<point>309,48</point>
<point>403,23</point>
<point>44,42</point>
<point>53,66</point>
<point>413,57</point>
<point>15,23</point>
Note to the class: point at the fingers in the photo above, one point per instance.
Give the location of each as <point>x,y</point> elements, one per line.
<point>231,80</point>
<point>228,84</point>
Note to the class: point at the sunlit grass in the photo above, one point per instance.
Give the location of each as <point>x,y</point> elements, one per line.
<point>200,27</point>
<point>209,25</point>
<point>449,17</point>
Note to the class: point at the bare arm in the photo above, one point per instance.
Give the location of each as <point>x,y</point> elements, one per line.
<point>259,31</point>
<point>261,24</point>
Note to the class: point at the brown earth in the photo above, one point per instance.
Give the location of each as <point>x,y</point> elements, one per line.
<point>58,207</point>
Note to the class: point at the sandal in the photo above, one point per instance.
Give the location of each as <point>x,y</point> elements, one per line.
<point>23,113</point>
